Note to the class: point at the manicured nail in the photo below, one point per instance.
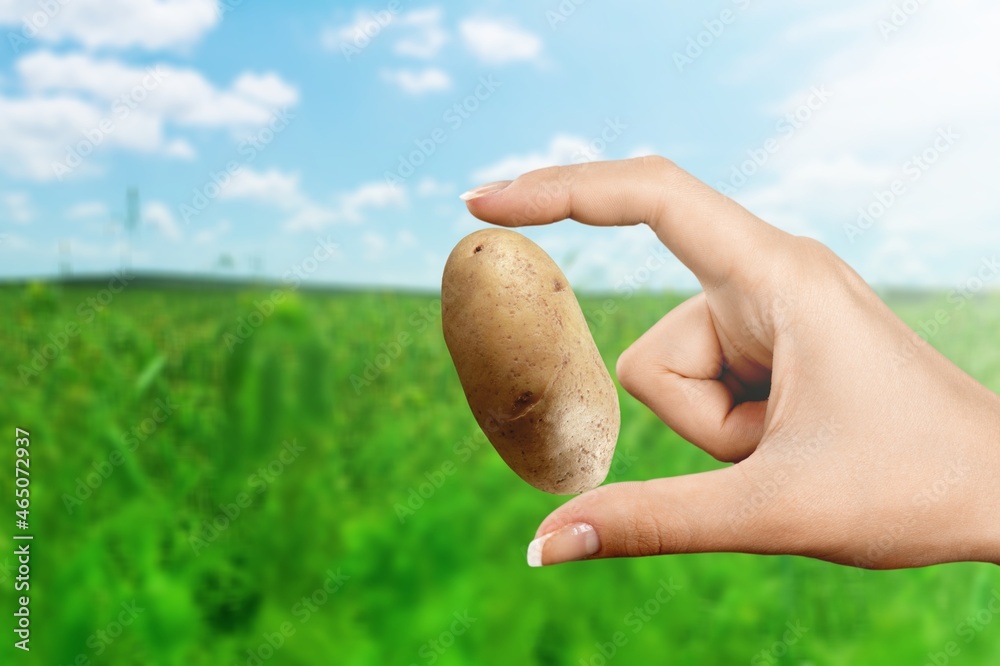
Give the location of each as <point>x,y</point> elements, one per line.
<point>567,544</point>
<point>483,190</point>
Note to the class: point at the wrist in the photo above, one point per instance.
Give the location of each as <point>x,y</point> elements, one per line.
<point>984,546</point>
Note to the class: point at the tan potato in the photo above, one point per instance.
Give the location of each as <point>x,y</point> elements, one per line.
<point>530,369</point>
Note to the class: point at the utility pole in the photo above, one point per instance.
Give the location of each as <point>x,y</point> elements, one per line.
<point>131,223</point>
<point>65,260</point>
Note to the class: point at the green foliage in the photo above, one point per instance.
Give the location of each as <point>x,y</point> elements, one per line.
<point>395,526</point>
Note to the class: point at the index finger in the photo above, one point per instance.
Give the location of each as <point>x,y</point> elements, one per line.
<point>719,240</point>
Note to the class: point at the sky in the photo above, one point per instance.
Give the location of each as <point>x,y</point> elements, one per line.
<point>333,139</point>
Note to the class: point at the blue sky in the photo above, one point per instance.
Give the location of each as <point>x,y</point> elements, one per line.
<point>254,129</point>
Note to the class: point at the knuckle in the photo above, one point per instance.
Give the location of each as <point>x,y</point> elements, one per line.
<point>629,368</point>
<point>723,452</point>
<point>811,261</point>
<point>651,529</point>
<point>633,521</point>
<point>656,164</point>
<point>551,173</point>
<point>807,272</point>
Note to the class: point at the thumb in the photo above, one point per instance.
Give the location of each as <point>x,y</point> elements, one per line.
<point>718,511</point>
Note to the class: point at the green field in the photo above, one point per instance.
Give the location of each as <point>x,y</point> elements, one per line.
<point>386,533</point>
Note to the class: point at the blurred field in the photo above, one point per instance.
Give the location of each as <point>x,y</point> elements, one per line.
<point>392,503</point>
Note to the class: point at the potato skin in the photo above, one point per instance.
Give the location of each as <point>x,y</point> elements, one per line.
<point>532,374</point>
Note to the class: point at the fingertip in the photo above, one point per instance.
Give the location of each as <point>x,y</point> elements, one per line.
<point>484,190</point>
<point>570,543</point>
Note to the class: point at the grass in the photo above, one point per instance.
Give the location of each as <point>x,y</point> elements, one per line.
<point>395,535</point>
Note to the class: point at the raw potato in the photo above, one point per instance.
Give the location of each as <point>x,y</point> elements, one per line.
<point>530,369</point>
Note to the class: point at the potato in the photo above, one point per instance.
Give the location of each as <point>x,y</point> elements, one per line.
<point>530,369</point>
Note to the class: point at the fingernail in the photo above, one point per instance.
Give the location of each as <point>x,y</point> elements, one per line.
<point>483,190</point>
<point>567,544</point>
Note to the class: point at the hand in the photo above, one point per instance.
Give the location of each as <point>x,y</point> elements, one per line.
<point>854,441</point>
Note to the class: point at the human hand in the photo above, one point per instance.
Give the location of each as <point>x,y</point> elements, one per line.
<point>853,440</point>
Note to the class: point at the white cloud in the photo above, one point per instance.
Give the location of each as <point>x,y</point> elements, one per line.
<point>77,105</point>
<point>212,234</point>
<point>898,260</point>
<point>14,242</point>
<point>431,187</point>
<point>375,245</point>
<point>835,21</point>
<point>283,191</point>
<point>35,133</point>
<point>272,186</point>
<point>496,42</point>
<point>350,206</point>
<point>147,24</point>
<point>427,38</point>
<point>384,247</point>
<point>16,207</point>
<point>563,149</point>
<point>621,260</point>
<point>268,89</point>
<point>365,26</point>
<point>158,215</point>
<point>87,209</point>
<point>78,248</point>
<point>416,82</point>
<point>179,148</point>
<point>424,36</point>
<point>891,99</point>
<point>179,94</point>
<point>370,196</point>
<point>312,216</point>
<point>839,178</point>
